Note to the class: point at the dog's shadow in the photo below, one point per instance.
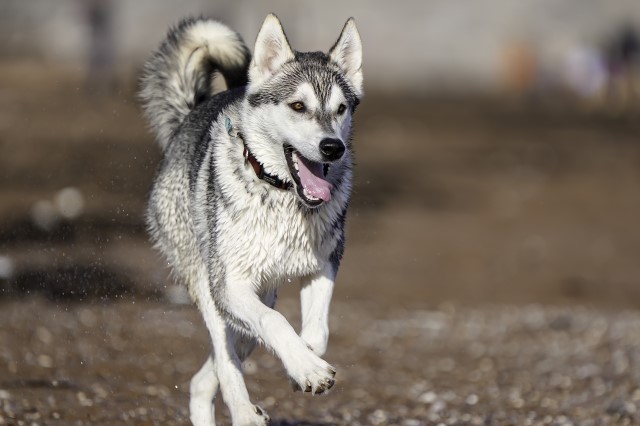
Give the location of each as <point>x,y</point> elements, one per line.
<point>284,422</point>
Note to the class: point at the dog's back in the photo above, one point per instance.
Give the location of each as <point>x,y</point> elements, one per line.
<point>180,104</point>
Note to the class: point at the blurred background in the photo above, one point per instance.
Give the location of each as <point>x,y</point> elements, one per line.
<point>493,256</point>
<point>498,147</point>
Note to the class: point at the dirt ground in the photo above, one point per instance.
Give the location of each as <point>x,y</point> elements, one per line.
<point>491,273</point>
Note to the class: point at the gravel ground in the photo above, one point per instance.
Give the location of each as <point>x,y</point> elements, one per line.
<point>129,362</point>
<point>519,212</point>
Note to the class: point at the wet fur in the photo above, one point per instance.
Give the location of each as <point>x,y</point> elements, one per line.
<point>232,238</point>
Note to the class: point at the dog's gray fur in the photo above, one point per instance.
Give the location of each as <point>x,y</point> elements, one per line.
<point>230,236</point>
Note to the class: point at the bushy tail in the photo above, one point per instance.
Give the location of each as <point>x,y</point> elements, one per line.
<point>179,74</point>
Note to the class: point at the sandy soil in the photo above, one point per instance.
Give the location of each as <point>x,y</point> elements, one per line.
<point>491,274</point>
<point>130,363</point>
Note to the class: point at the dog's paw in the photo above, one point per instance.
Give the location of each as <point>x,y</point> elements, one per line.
<point>324,386</point>
<point>255,417</point>
<point>315,375</point>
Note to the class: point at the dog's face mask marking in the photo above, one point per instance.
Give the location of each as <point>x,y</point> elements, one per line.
<point>306,101</point>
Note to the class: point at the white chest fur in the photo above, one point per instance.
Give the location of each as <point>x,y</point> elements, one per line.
<point>273,239</point>
<point>260,231</point>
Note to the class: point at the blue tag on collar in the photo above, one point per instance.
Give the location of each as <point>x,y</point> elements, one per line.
<point>228,126</point>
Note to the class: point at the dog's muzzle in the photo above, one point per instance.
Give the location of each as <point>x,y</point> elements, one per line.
<point>310,177</point>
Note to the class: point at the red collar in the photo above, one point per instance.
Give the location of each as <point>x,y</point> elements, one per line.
<point>259,169</point>
<point>255,164</point>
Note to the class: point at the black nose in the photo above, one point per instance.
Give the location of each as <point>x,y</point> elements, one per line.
<point>331,149</point>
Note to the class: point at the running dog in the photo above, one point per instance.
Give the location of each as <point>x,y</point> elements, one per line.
<point>252,193</point>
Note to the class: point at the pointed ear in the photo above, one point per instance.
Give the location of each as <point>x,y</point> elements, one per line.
<point>347,54</point>
<point>271,52</point>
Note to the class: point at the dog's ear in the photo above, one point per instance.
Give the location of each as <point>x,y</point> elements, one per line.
<point>271,52</point>
<point>347,53</point>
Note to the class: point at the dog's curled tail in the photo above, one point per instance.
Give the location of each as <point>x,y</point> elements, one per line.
<point>179,74</point>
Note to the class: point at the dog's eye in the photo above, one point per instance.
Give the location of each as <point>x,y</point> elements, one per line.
<point>298,107</point>
<point>341,109</point>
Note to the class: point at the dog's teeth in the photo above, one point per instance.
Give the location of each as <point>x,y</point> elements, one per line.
<point>309,196</point>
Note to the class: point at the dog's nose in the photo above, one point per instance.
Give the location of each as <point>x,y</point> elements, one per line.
<point>332,149</point>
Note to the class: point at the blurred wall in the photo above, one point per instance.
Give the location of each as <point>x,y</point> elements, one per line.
<point>409,44</point>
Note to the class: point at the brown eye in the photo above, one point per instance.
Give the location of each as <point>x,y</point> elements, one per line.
<point>341,109</point>
<point>298,107</point>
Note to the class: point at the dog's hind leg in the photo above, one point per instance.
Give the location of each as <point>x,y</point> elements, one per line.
<point>203,389</point>
<point>232,385</point>
<point>228,368</point>
<point>240,347</point>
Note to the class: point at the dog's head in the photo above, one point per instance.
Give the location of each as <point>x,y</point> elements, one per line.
<point>302,104</point>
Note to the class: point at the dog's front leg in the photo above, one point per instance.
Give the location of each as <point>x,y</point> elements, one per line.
<point>225,367</point>
<point>315,298</point>
<point>310,372</point>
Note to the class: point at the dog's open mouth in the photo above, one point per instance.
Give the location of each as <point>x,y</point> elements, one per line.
<point>309,177</point>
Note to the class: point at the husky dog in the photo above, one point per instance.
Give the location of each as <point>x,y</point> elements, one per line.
<point>252,193</point>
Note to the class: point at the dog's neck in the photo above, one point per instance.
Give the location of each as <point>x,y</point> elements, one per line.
<point>253,161</point>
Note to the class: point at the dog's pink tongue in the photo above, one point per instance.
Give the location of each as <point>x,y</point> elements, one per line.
<point>312,179</point>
